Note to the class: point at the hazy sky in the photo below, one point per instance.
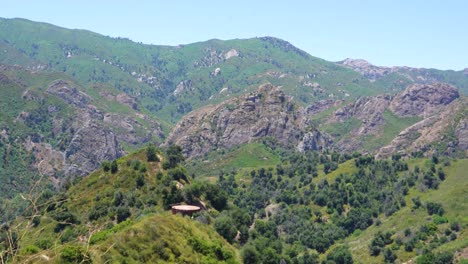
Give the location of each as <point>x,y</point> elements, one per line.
<point>417,33</point>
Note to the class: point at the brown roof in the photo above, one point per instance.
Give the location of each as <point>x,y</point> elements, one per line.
<point>186,207</point>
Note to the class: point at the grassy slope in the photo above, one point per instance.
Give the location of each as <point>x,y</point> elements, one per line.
<point>165,232</point>
<point>452,194</point>
<point>147,236</point>
<point>393,126</point>
<point>245,157</point>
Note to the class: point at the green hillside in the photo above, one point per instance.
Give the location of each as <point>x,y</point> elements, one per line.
<point>300,208</point>
<point>451,194</point>
<point>152,73</point>
<point>118,214</point>
<point>74,102</point>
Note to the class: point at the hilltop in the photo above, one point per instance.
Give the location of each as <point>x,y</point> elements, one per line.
<point>118,213</point>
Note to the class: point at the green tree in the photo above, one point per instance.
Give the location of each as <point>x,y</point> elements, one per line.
<point>106,165</point>
<point>226,228</point>
<point>74,254</point>
<point>340,255</point>
<point>434,208</point>
<point>114,167</point>
<point>151,153</point>
<point>250,255</point>
<point>122,213</point>
<point>389,256</point>
<point>174,157</point>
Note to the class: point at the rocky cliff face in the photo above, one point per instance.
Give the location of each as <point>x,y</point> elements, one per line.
<point>66,130</point>
<point>445,130</point>
<point>436,105</point>
<point>268,112</point>
<point>423,99</point>
<point>94,135</point>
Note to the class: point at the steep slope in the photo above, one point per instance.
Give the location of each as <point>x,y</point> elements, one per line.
<point>451,194</point>
<point>420,118</point>
<point>51,127</point>
<point>416,119</point>
<point>268,112</point>
<point>116,214</point>
<point>306,208</point>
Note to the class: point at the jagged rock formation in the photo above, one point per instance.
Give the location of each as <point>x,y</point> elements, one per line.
<point>447,128</point>
<point>65,130</point>
<point>94,135</point>
<point>268,112</point>
<point>368,70</point>
<point>423,100</point>
<point>436,104</point>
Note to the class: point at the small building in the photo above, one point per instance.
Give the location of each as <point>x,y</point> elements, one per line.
<point>185,209</point>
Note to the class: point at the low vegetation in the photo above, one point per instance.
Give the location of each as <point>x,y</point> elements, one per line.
<point>306,208</point>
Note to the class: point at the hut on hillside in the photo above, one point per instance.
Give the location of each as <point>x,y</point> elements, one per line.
<point>185,209</point>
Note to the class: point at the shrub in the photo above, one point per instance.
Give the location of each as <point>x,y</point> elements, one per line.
<point>122,214</point>
<point>74,254</point>
<point>114,167</point>
<point>44,243</point>
<point>389,256</point>
<point>151,153</point>
<point>106,165</point>
<point>30,249</point>
<point>225,227</point>
<point>340,254</point>
<point>434,208</point>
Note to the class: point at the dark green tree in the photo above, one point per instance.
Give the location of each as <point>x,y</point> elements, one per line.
<point>226,228</point>
<point>122,213</point>
<point>151,153</point>
<point>340,255</point>
<point>174,157</point>
<point>250,255</point>
<point>114,167</point>
<point>389,256</point>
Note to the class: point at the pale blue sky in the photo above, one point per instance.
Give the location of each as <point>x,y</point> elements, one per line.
<point>417,33</point>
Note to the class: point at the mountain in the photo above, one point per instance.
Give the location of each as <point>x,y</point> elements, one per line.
<point>268,112</point>
<point>171,81</point>
<point>276,141</point>
<point>425,118</point>
<point>51,126</point>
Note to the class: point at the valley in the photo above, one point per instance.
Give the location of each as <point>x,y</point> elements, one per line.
<point>291,158</point>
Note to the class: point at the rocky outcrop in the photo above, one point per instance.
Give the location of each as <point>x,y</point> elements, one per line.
<point>314,140</point>
<point>447,127</point>
<point>369,110</point>
<point>423,100</point>
<point>368,70</point>
<point>89,146</point>
<point>69,93</point>
<point>182,86</point>
<point>268,112</point>
<point>231,53</point>
<point>435,104</point>
<point>83,135</point>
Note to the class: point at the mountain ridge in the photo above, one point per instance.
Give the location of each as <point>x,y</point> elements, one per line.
<point>136,93</point>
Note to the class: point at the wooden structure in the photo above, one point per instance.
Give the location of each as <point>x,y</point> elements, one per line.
<point>185,209</point>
